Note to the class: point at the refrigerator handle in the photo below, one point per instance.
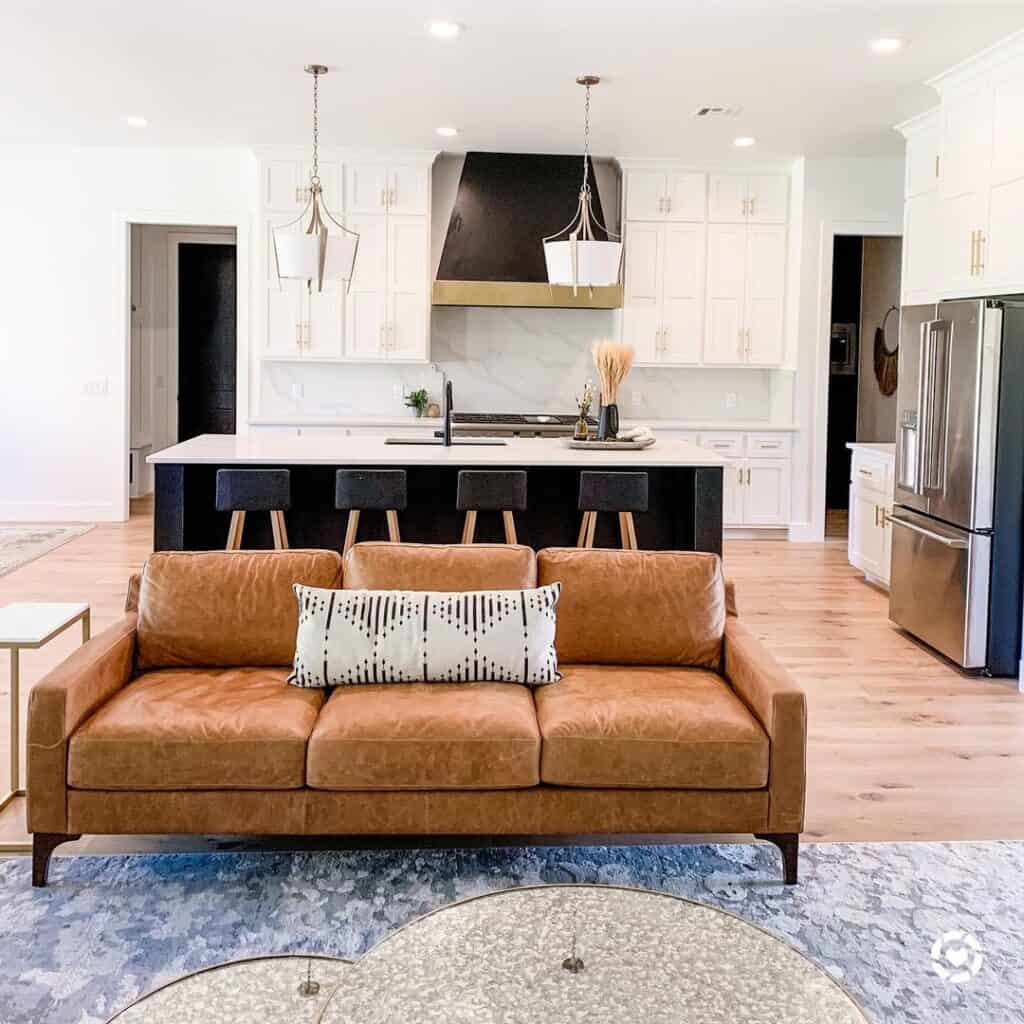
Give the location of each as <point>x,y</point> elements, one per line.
<point>949,542</point>
<point>934,382</point>
<point>923,400</point>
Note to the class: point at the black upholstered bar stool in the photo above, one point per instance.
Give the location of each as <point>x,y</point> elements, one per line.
<point>370,490</point>
<point>491,490</point>
<point>624,493</point>
<point>254,490</point>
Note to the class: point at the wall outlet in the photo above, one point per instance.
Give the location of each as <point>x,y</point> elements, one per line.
<point>636,397</point>
<point>397,392</point>
<point>296,389</point>
<point>730,399</point>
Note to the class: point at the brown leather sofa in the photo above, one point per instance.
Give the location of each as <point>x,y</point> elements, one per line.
<point>670,718</point>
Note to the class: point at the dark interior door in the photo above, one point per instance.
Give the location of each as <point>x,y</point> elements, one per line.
<point>206,339</point>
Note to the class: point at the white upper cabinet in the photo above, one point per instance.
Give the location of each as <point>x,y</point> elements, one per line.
<point>745,294</point>
<point>674,195</point>
<point>753,198</point>
<point>641,314</point>
<point>408,258</point>
<point>408,190</point>
<point>286,185</point>
<point>966,237</point>
<point>383,188</point>
<point>683,293</point>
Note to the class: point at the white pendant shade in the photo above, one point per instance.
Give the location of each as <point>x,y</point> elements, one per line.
<point>583,263</point>
<point>298,256</point>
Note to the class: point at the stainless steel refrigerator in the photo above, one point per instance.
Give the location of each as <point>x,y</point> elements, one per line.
<point>957,517</point>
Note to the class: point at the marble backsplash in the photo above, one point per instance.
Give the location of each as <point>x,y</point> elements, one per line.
<point>522,360</point>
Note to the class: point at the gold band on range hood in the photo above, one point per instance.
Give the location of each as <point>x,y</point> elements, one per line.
<point>525,294</point>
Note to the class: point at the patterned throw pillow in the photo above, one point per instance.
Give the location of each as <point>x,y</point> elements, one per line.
<point>402,636</point>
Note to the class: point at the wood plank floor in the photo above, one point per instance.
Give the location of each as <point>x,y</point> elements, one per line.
<point>902,746</point>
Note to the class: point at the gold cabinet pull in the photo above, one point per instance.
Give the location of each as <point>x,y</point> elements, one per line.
<point>974,253</point>
<point>980,249</point>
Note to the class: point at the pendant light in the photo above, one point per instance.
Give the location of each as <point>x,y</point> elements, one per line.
<point>573,255</point>
<point>316,253</point>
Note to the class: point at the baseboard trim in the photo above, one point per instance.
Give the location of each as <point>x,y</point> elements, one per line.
<point>755,533</point>
<point>56,512</point>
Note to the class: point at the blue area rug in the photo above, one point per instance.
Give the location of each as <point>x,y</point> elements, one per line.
<point>109,929</point>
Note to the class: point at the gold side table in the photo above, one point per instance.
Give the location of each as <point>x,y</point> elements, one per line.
<point>27,626</point>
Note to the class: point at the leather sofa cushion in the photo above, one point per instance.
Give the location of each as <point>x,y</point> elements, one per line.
<point>225,608</point>
<point>239,728</point>
<point>426,736</point>
<point>648,728</point>
<point>637,607</point>
<point>382,566</point>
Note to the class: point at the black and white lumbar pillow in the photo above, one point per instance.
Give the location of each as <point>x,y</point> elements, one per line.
<point>404,636</point>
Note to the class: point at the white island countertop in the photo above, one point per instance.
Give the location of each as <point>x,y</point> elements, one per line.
<point>310,450</point>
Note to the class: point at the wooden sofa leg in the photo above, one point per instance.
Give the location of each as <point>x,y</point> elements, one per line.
<point>789,845</point>
<point>43,845</point>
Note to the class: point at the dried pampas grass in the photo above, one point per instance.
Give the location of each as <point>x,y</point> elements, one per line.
<point>613,361</point>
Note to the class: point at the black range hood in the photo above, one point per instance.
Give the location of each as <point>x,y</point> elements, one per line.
<point>493,253</point>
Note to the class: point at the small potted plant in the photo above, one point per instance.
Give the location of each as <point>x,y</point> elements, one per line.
<point>584,401</point>
<point>418,400</point>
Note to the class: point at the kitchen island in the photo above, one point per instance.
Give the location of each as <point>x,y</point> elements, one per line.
<point>685,491</point>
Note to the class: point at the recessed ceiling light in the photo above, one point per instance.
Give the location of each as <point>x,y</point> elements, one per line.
<point>135,121</point>
<point>887,44</point>
<point>743,141</point>
<point>445,29</point>
<point>447,131</point>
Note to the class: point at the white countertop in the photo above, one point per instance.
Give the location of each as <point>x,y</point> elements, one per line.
<point>435,423</point>
<point>310,450</point>
<point>880,447</point>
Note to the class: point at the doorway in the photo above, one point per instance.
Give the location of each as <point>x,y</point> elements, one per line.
<point>184,339</point>
<point>864,325</point>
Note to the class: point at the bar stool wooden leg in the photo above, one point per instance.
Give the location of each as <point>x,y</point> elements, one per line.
<point>282,529</point>
<point>624,531</point>
<point>276,527</point>
<point>469,530</point>
<point>591,530</point>
<point>582,538</point>
<point>631,523</point>
<point>235,531</point>
<point>510,527</point>
<point>393,535</point>
<point>351,529</point>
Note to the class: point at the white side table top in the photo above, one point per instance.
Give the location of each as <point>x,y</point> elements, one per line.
<point>31,623</point>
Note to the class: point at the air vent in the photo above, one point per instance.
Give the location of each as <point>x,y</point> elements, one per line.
<point>716,111</point>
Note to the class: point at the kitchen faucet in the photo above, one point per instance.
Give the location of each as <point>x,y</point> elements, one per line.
<point>447,414</point>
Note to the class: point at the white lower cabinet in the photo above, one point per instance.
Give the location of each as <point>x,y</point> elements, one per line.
<point>869,545</point>
<point>756,479</point>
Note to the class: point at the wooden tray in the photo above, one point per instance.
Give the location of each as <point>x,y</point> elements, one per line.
<point>609,446</point>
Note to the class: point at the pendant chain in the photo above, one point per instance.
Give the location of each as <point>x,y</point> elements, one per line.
<point>315,177</point>
<point>586,142</point>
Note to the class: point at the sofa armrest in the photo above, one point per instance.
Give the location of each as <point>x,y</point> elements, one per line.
<point>57,706</point>
<point>774,697</point>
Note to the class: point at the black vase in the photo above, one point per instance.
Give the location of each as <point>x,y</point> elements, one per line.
<point>608,423</point>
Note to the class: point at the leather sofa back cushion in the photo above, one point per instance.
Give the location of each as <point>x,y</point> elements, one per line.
<point>637,607</point>
<point>383,566</point>
<point>225,608</point>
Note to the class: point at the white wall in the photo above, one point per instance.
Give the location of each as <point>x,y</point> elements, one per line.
<point>856,196</point>
<point>63,312</point>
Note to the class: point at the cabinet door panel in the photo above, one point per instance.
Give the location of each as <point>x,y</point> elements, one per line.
<point>282,182</point>
<point>408,190</point>
<point>366,187</point>
<point>966,142</point>
<point>765,294</point>
<point>687,193</point>
<point>959,217</point>
<point>645,195</point>
<point>641,318</point>
<point>866,545</point>
<point>923,267</point>
<point>325,334</point>
<point>365,310</point>
<point>407,287</point>
<point>922,158</point>
<point>683,292</point>
<point>285,310</point>
<point>1008,126</point>
<point>727,194</point>
<point>732,492</point>
<point>769,198</point>
<point>723,341</point>
<point>1002,250</point>
<point>766,493</point>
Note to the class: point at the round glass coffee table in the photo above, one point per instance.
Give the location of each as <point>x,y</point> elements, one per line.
<point>546,954</point>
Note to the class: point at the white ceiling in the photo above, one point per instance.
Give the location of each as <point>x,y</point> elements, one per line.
<point>229,71</point>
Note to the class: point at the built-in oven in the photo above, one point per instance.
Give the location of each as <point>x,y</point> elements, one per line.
<point>843,349</point>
